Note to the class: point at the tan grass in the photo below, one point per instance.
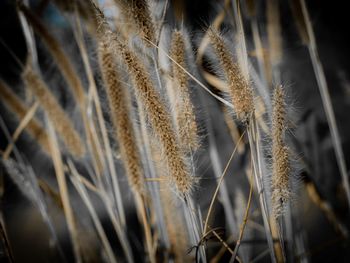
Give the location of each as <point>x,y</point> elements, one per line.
<point>119,109</point>
<point>138,15</point>
<point>274,33</point>
<point>280,155</point>
<point>296,7</point>
<point>239,87</point>
<point>159,118</point>
<point>175,227</point>
<point>59,118</point>
<point>184,110</point>
<point>61,58</point>
<point>18,107</point>
<point>64,194</point>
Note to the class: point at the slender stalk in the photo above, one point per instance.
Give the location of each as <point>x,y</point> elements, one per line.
<point>23,124</point>
<point>244,223</point>
<point>326,100</point>
<point>101,124</point>
<point>84,195</point>
<point>257,170</point>
<point>18,108</point>
<point>219,184</point>
<point>229,104</point>
<point>242,52</point>
<point>62,184</point>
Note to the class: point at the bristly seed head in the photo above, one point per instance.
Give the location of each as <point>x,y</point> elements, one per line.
<point>280,155</point>
<point>159,118</point>
<point>239,87</point>
<point>119,108</point>
<point>138,15</point>
<point>184,110</point>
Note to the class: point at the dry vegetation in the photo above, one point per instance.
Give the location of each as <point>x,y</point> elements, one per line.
<point>179,147</point>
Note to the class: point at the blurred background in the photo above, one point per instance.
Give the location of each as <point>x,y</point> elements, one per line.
<point>321,199</point>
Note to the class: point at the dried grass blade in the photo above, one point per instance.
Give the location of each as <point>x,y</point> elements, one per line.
<point>326,100</point>
<point>64,193</point>
<point>84,195</point>
<point>21,126</point>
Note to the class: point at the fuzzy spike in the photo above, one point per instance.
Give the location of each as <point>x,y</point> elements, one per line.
<point>159,118</point>
<point>239,87</point>
<point>184,110</point>
<point>280,154</point>
<point>120,115</point>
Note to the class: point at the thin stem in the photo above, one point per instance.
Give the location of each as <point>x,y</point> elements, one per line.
<point>259,183</point>
<point>193,77</point>
<point>219,184</point>
<point>64,193</point>
<point>326,100</point>
<point>85,197</point>
<point>245,220</point>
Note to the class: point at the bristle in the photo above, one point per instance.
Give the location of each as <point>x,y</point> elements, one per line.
<point>18,107</point>
<point>159,118</point>
<point>184,110</point>
<point>143,19</point>
<point>280,155</point>
<point>119,110</point>
<point>59,118</point>
<point>239,87</point>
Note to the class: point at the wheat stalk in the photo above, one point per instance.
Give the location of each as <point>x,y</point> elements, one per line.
<point>175,228</point>
<point>125,135</point>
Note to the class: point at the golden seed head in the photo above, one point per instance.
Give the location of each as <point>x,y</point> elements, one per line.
<point>119,109</point>
<point>159,118</point>
<point>239,87</point>
<point>184,110</point>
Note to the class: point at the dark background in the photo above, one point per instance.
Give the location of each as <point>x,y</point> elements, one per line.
<point>331,25</point>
